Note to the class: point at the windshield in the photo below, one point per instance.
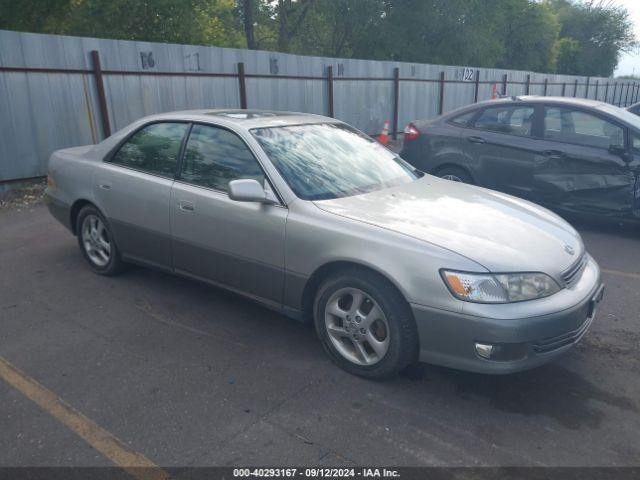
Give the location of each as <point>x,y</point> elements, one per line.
<point>323,161</point>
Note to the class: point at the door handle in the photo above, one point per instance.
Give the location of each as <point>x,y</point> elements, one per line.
<point>476,139</point>
<point>105,186</point>
<point>186,206</point>
<point>554,154</point>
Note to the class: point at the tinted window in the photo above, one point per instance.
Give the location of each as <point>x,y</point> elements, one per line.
<point>514,120</point>
<point>153,149</point>
<point>214,157</point>
<point>323,161</point>
<point>581,128</point>
<point>463,120</point>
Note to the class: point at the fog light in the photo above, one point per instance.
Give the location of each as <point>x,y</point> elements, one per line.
<point>484,350</point>
<point>502,352</point>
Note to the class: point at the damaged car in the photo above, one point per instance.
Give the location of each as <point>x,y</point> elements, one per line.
<point>571,155</point>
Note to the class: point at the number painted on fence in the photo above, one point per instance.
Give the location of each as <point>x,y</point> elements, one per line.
<point>468,74</point>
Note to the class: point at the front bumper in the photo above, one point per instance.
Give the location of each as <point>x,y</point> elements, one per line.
<point>449,338</point>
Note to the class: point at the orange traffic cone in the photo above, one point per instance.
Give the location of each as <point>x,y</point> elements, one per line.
<point>494,92</point>
<point>383,138</point>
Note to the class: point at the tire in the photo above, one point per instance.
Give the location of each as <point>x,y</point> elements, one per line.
<point>340,334</point>
<point>455,174</point>
<point>96,242</point>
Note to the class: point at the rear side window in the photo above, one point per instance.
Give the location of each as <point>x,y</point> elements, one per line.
<point>215,156</point>
<point>153,149</point>
<point>581,128</point>
<point>464,119</point>
<point>514,120</point>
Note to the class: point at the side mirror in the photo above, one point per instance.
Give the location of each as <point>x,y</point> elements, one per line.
<point>249,190</point>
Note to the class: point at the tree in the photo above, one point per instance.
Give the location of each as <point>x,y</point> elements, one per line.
<point>592,36</point>
<point>529,36</point>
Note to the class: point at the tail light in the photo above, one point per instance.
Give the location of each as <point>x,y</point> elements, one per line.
<point>411,132</point>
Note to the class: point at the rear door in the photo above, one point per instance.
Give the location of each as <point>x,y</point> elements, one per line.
<point>236,244</point>
<point>501,145</point>
<point>582,163</point>
<point>133,189</point>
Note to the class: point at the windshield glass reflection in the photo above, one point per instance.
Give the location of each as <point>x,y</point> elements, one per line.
<point>325,161</point>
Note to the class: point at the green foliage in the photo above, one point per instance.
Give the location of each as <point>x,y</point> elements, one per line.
<point>565,36</point>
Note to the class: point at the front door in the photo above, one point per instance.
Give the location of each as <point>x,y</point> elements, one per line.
<point>133,189</point>
<point>582,163</point>
<point>500,142</point>
<point>239,245</point>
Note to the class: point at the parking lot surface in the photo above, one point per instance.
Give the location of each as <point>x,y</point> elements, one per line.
<point>188,375</point>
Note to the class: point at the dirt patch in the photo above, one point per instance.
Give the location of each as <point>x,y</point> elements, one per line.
<point>24,197</point>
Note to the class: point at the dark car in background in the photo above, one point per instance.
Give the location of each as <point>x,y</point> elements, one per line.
<point>635,108</point>
<point>569,154</point>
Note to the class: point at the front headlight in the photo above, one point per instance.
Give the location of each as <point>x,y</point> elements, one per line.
<point>499,288</point>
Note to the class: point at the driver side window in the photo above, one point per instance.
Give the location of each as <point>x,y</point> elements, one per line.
<point>581,128</point>
<point>215,156</point>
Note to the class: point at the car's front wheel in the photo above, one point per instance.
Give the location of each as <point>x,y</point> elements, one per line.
<point>365,324</point>
<point>96,242</point>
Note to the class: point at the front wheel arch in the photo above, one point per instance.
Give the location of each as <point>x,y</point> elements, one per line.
<point>328,269</point>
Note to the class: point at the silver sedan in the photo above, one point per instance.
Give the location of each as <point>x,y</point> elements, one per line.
<point>310,217</point>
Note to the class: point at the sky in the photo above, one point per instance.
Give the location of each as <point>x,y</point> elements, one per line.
<point>630,62</point>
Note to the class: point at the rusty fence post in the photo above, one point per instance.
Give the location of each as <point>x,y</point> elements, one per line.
<point>476,87</point>
<point>396,101</point>
<point>102,97</point>
<point>242,85</point>
<point>441,101</point>
<point>330,90</point>
<point>586,90</point>
<point>504,84</point>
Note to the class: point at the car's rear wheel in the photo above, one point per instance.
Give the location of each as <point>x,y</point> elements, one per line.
<point>96,242</point>
<point>365,324</point>
<point>454,174</point>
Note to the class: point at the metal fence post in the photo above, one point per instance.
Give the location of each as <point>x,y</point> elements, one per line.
<point>626,97</point>
<point>102,97</point>
<point>528,84</point>
<point>242,86</point>
<point>504,84</point>
<point>564,88</point>
<point>613,97</point>
<point>330,90</point>
<point>441,102</point>
<point>586,91</point>
<point>606,92</point>
<point>575,88</point>
<point>546,86</point>
<point>596,93</point>
<point>476,87</point>
<point>396,101</point>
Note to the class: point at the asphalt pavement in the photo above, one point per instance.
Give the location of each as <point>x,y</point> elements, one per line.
<point>183,374</point>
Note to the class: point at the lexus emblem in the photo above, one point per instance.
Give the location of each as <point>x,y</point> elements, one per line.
<point>569,249</point>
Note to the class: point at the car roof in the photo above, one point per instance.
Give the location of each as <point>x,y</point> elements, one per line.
<point>585,102</point>
<point>243,118</point>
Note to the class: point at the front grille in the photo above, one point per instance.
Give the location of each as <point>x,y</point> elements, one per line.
<point>574,272</point>
<point>553,343</point>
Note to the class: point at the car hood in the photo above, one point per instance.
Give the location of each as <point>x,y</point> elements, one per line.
<point>498,231</point>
